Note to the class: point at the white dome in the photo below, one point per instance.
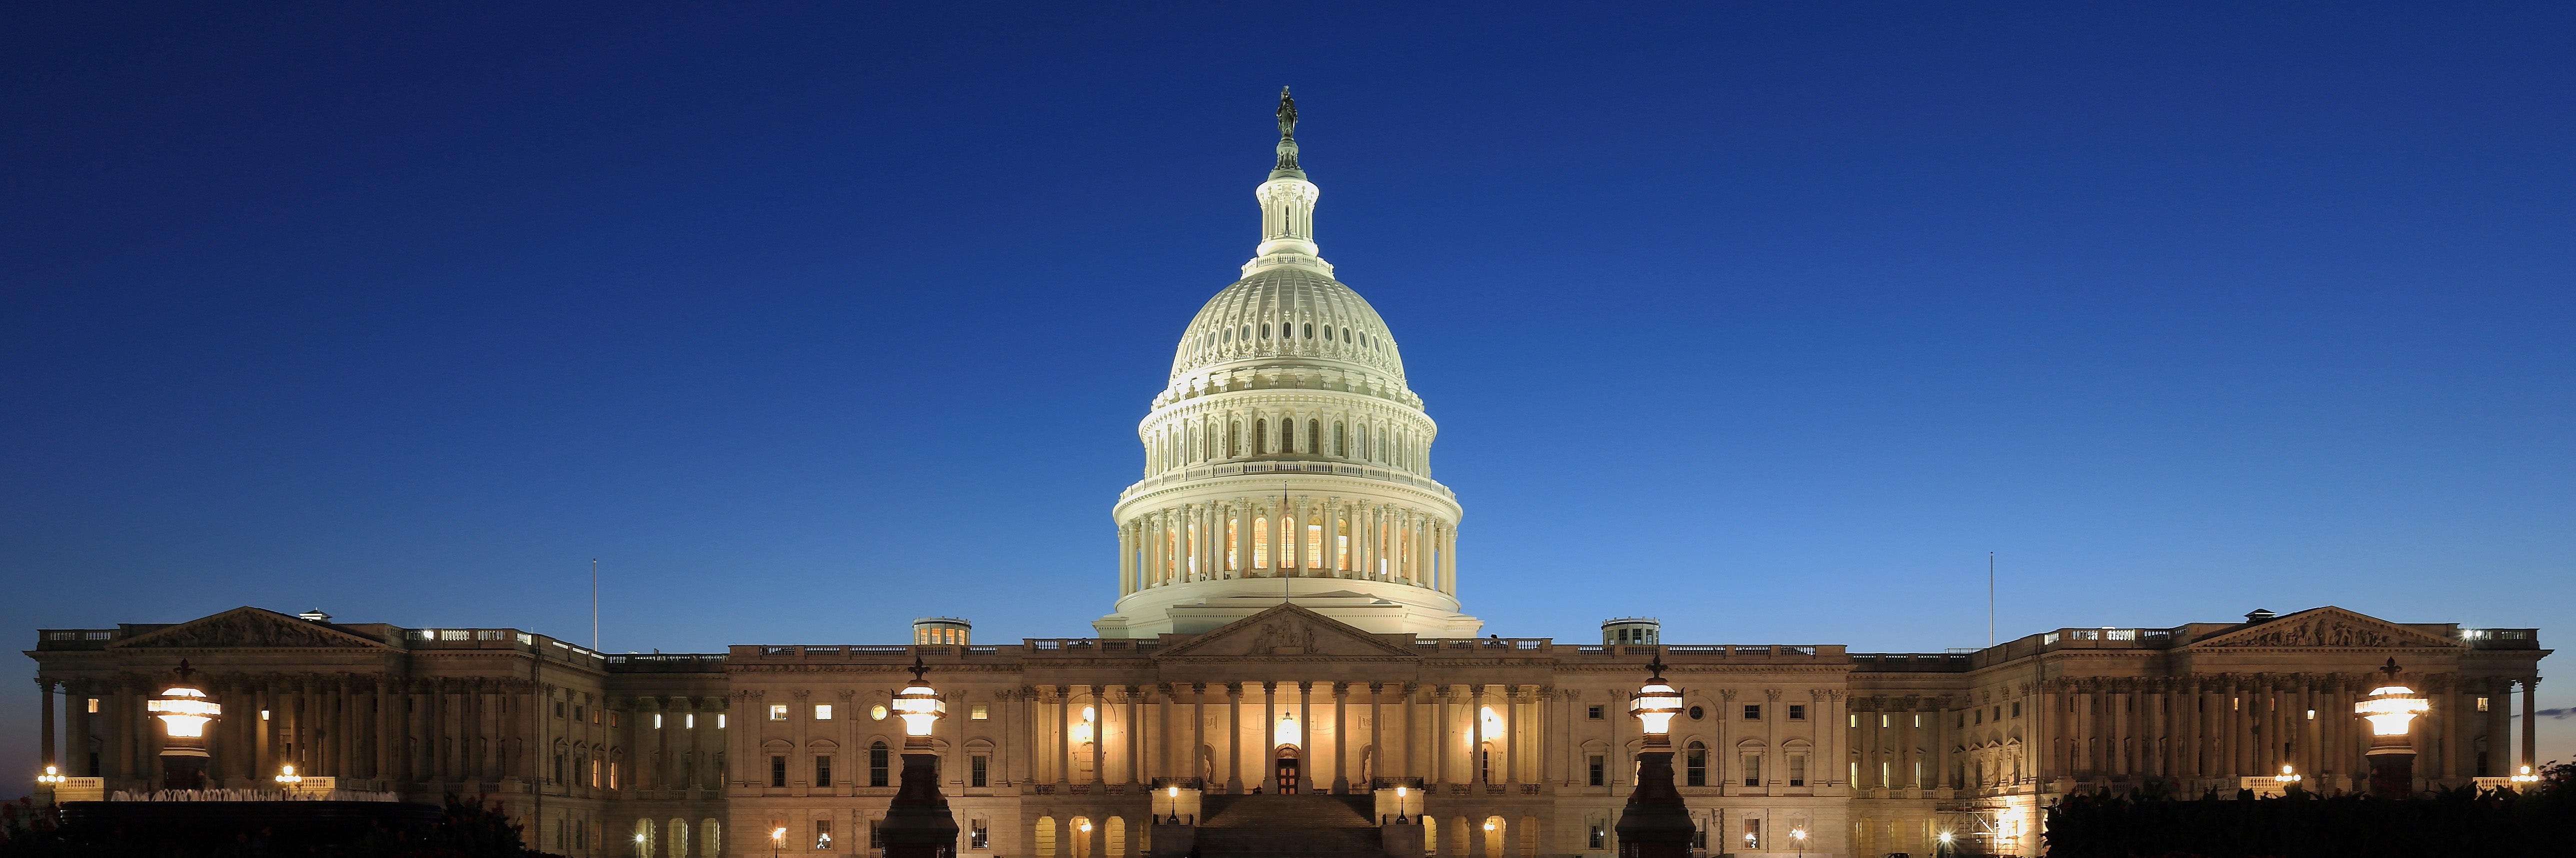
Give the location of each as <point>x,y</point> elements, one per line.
<point>1287,315</point>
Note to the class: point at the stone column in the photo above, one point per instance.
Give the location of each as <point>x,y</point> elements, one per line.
<point>1268,779</point>
<point>1440,735</point>
<point>2530,755</point>
<point>1511,735</point>
<point>1062,743</point>
<point>1100,734</point>
<point>1234,738</point>
<point>1135,737</point>
<point>45,724</point>
<point>1341,692</point>
<point>1404,765</point>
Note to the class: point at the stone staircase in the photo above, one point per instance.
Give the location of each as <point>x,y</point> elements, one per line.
<point>1286,825</point>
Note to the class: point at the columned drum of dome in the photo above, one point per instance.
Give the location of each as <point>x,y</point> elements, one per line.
<point>1287,458</point>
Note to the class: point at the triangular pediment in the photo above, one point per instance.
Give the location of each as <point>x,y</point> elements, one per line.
<point>1286,631</point>
<point>249,628</point>
<point>2327,627</point>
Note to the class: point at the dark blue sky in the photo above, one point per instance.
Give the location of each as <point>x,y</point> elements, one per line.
<point>810,319</point>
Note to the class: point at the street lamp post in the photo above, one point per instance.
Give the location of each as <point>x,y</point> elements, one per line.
<point>777,840</point>
<point>1800,836</point>
<point>2391,710</point>
<point>184,711</point>
<point>917,823</point>
<point>1656,823</point>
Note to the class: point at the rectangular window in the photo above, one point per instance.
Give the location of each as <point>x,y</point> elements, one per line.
<point>612,717</point>
<point>612,775</point>
<point>823,771</point>
<point>1797,770</point>
<point>979,834</point>
<point>978,770</point>
<point>1597,775</point>
<point>979,712</point>
<point>657,720</point>
<point>1753,711</point>
<point>822,835</point>
<point>1753,770</point>
<point>876,834</point>
<point>1918,719</point>
<point>877,766</point>
<point>1593,712</point>
<point>690,720</point>
<point>777,771</point>
<point>778,711</point>
<point>1854,778</point>
<point>1753,835</point>
<point>1855,720</point>
<point>1695,768</point>
<point>720,718</point>
<point>1797,712</point>
<point>2016,709</point>
<point>1595,837</point>
<point>576,713</point>
<point>93,704</point>
<point>822,711</point>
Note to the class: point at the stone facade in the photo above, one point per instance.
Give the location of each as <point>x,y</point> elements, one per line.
<point>1287,620</point>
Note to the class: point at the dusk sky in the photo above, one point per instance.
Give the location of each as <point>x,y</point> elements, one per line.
<point>808,319</point>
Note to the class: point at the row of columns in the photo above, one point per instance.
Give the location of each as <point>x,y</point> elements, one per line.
<point>1216,541</point>
<point>1186,443</point>
<point>1902,743</point>
<point>2252,724</point>
<point>357,727</point>
<point>1171,745</point>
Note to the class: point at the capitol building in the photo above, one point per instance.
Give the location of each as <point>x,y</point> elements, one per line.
<point>1287,663</point>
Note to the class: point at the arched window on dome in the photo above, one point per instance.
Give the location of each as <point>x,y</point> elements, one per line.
<point>1328,333</point>
<point>1310,330</point>
<point>1233,562</point>
<point>1190,443</point>
<point>1315,543</point>
<point>1260,437</point>
<point>1233,438</point>
<point>1209,439</point>
<point>1265,330</point>
<point>1346,335</point>
<point>1228,335</point>
<point>1261,542</point>
<point>1315,436</point>
<point>1341,441</point>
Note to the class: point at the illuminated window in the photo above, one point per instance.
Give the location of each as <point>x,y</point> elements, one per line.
<point>1233,563</point>
<point>720,719</point>
<point>1315,543</point>
<point>979,712</point>
<point>778,712</point>
<point>1261,542</point>
<point>1342,544</point>
<point>822,711</point>
<point>263,714</point>
<point>979,834</point>
<point>877,712</point>
<point>93,704</point>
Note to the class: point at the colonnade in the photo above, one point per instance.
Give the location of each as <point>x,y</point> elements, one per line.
<point>1325,434</point>
<point>2240,725</point>
<point>349,726</point>
<point>1228,734</point>
<point>1300,536</point>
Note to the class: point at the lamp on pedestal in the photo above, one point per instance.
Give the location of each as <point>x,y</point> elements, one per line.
<point>1655,824</point>
<point>917,823</point>
<point>2391,711</point>
<point>184,712</point>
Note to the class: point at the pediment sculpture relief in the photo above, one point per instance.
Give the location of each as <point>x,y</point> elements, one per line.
<point>248,627</point>
<point>2330,630</point>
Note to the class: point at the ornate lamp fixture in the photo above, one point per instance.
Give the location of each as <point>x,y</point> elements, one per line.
<point>917,822</point>
<point>1656,823</point>
<point>184,711</point>
<point>2521,775</point>
<point>2287,776</point>
<point>2391,710</point>
<point>286,775</point>
<point>50,779</point>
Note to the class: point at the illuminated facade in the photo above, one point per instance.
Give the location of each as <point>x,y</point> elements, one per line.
<point>1287,622</point>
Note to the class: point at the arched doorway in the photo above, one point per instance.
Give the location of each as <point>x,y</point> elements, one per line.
<point>1287,772</point>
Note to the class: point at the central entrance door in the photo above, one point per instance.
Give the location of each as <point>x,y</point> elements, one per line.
<point>1287,772</point>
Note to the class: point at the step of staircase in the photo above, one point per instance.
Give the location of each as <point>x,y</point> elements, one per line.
<point>1274,826</point>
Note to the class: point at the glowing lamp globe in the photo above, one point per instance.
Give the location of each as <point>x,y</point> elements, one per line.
<point>1656,703</point>
<point>919,706</point>
<point>183,708</point>
<point>2391,709</point>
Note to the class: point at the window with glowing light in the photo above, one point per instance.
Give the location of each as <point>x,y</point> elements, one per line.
<point>979,712</point>
<point>778,711</point>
